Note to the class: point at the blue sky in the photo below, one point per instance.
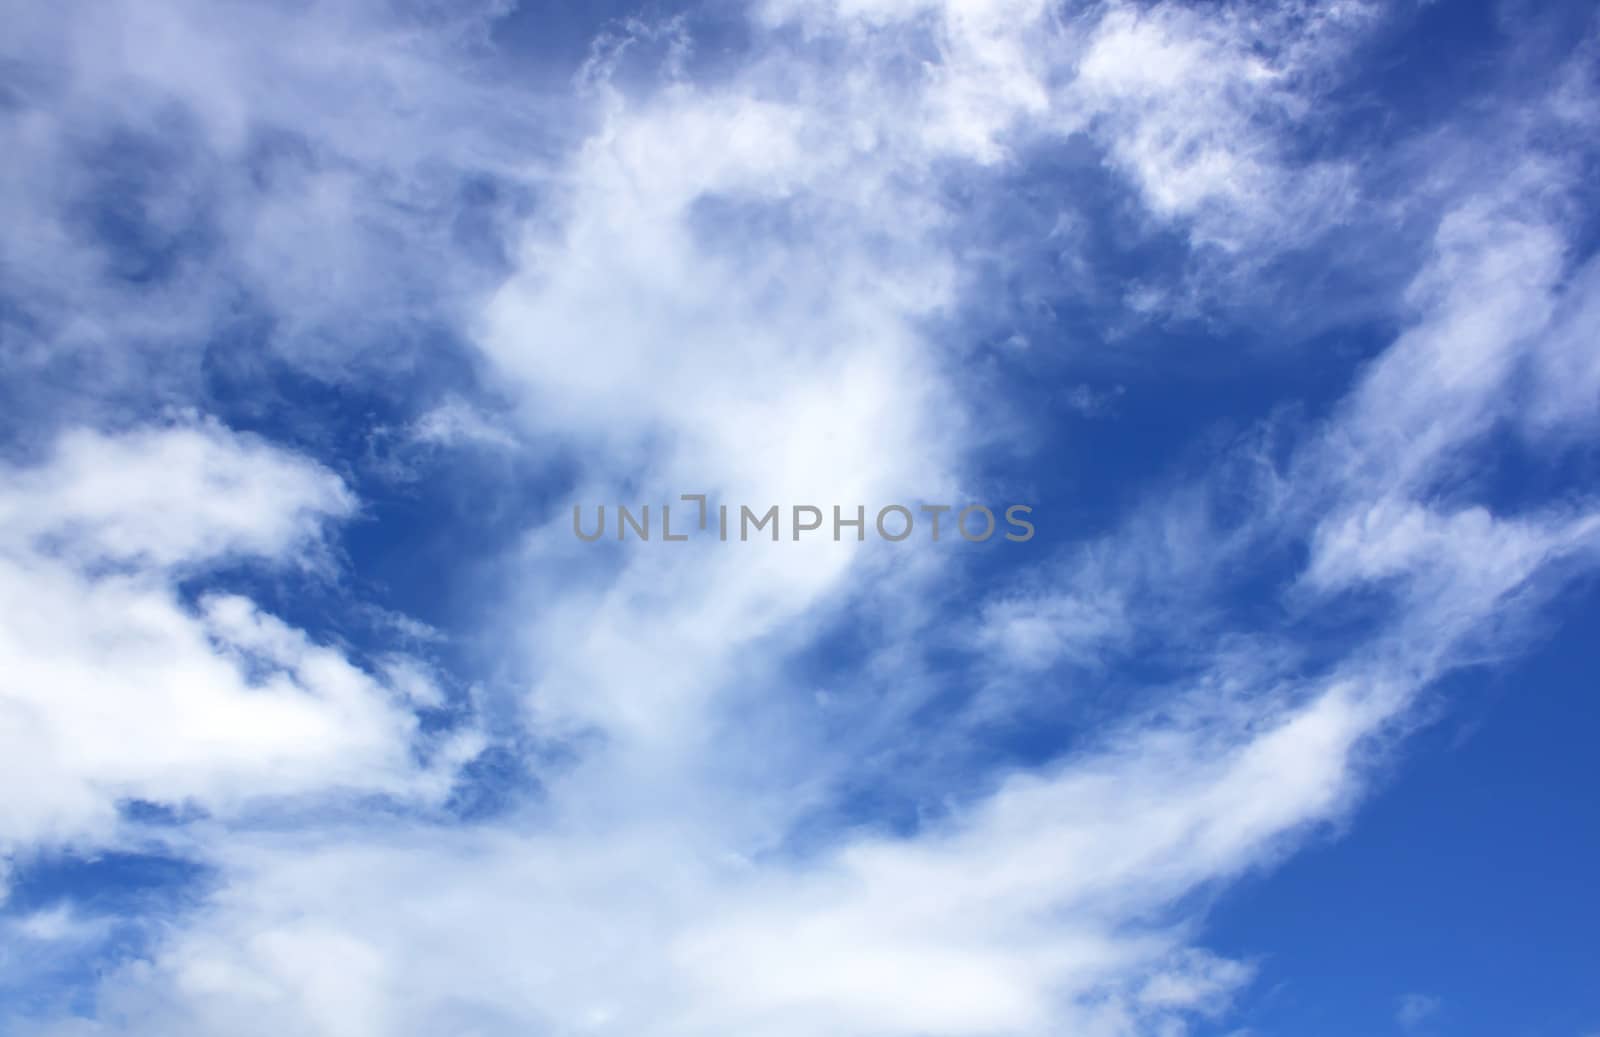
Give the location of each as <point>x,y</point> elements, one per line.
<point>319,319</point>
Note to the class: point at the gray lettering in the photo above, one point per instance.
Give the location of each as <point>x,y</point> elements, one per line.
<point>904,532</point>
<point>961,523</point>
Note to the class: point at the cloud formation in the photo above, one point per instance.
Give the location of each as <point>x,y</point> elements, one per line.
<point>768,785</point>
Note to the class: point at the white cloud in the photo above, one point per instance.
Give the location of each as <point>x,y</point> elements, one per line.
<point>176,186</point>
<point>1033,633</point>
<point>1416,1009</point>
<point>1192,105</point>
<point>1023,913</point>
<point>114,688</point>
<point>162,497</point>
<point>456,422</point>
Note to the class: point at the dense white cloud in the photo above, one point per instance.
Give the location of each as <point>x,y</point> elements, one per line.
<point>162,497</point>
<point>115,688</point>
<point>1022,914</point>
